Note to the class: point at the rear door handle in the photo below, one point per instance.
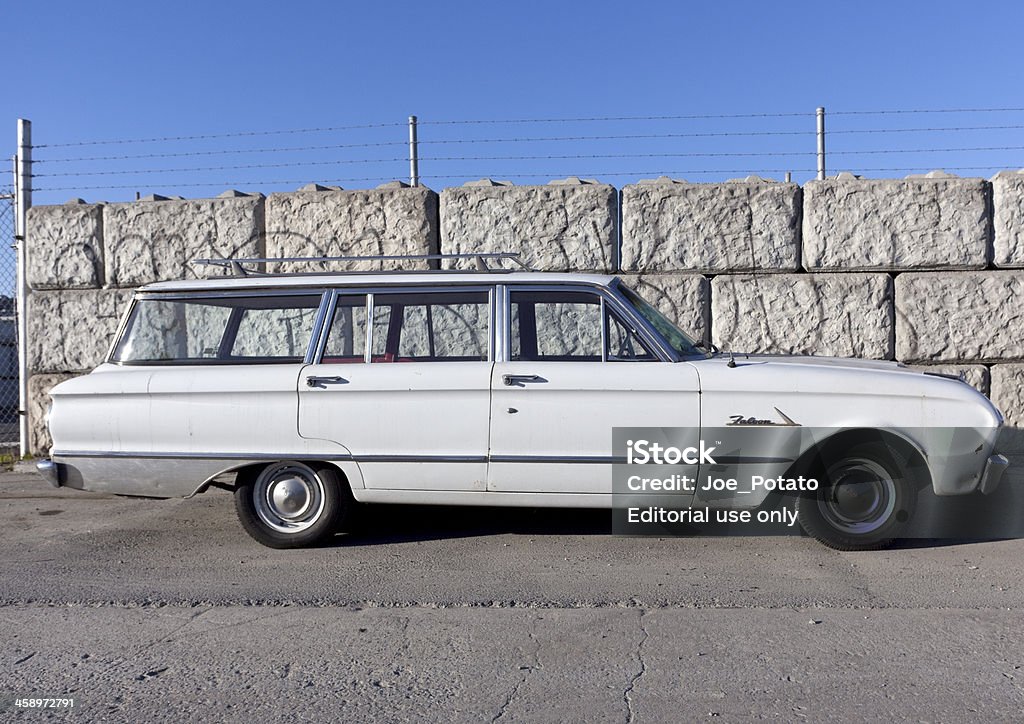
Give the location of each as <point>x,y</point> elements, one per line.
<point>314,381</point>
<point>520,380</point>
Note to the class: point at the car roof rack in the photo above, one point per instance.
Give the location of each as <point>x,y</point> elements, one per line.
<point>238,269</point>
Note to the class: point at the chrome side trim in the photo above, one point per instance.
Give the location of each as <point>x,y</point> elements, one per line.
<point>737,460</point>
<point>420,458</point>
<point>255,457</point>
<point>554,459</point>
<point>196,456</point>
<point>994,467</point>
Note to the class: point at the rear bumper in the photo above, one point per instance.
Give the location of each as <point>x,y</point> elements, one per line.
<point>52,471</point>
<point>992,475</point>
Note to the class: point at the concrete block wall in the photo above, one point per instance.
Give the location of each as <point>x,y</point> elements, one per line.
<point>925,270</point>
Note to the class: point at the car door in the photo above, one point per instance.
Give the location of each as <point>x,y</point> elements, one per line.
<point>574,368</point>
<point>407,396</point>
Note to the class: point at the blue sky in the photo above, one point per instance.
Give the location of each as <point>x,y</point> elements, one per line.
<point>121,71</point>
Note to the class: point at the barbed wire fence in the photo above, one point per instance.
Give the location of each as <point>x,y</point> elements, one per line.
<point>615,149</point>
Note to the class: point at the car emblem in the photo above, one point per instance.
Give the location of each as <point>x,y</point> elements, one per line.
<point>740,420</point>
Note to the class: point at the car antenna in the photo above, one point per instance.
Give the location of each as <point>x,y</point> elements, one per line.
<point>732,360</point>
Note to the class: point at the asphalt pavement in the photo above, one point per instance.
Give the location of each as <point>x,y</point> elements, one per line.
<point>147,610</point>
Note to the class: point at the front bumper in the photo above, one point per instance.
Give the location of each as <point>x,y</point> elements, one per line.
<point>51,471</point>
<point>992,475</point>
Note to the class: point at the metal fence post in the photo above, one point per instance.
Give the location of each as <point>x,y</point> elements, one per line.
<point>414,154</point>
<point>821,143</point>
<point>23,195</point>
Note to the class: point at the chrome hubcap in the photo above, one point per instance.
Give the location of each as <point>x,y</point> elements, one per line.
<point>862,496</point>
<point>288,497</point>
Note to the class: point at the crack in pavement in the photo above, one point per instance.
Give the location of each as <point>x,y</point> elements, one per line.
<point>627,695</point>
<point>527,671</point>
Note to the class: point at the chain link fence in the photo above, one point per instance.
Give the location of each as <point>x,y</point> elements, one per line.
<point>8,326</point>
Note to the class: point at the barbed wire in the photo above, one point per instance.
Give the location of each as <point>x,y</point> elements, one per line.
<point>535,174</point>
<point>596,174</point>
<point>599,119</point>
<point>291,164</point>
<point>222,152</point>
<point>618,137</point>
<point>209,136</point>
<point>897,111</point>
<point>515,151</point>
<point>447,159</point>
<point>510,121</point>
<point>924,130</point>
<point>228,184</point>
<point>711,116</point>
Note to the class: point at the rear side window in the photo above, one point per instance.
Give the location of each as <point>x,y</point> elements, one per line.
<point>231,330</point>
<point>442,326</point>
<point>431,327</point>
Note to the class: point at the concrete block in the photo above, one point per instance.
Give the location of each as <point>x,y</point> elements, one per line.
<point>683,298</point>
<point>148,241</point>
<point>977,376</point>
<point>70,331</point>
<point>842,315</point>
<point>558,227</point>
<point>965,317</point>
<point>726,227</point>
<point>39,387</point>
<point>1008,219</point>
<point>374,222</point>
<point>914,223</point>
<point>1008,396</point>
<point>64,249</point>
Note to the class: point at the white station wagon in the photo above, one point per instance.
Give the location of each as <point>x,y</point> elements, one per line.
<point>307,393</point>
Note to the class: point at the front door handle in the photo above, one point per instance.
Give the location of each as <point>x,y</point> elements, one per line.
<point>520,380</point>
<point>314,381</point>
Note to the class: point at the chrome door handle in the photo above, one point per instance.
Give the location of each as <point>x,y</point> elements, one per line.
<point>520,380</point>
<point>314,381</point>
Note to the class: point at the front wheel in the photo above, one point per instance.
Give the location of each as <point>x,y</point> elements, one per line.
<point>290,504</point>
<point>865,497</point>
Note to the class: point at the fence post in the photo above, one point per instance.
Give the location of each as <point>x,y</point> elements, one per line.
<point>414,154</point>
<point>23,201</point>
<point>821,143</point>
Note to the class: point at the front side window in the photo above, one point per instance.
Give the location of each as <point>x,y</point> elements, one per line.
<point>571,326</point>
<point>675,337</point>
<point>218,330</point>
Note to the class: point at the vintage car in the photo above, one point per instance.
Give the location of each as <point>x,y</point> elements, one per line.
<point>306,394</point>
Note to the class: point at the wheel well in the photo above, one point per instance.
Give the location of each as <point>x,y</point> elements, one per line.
<point>248,473</point>
<point>812,461</point>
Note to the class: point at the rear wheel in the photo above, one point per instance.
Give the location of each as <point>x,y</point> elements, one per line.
<point>290,504</point>
<point>865,497</point>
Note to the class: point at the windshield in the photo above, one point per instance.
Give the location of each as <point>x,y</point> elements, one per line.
<point>675,337</point>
